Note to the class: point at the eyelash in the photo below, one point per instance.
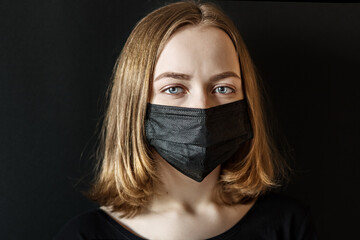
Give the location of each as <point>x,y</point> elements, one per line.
<point>167,89</point>
<point>231,89</point>
<point>178,87</point>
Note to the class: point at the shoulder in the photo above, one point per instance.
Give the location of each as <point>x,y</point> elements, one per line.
<point>283,216</point>
<point>87,225</point>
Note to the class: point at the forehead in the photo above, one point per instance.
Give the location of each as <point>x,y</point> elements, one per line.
<point>200,47</point>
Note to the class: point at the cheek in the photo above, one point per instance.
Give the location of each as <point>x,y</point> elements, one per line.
<point>156,96</point>
<point>155,90</point>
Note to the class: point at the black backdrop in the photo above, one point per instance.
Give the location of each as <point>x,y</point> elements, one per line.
<point>56,59</point>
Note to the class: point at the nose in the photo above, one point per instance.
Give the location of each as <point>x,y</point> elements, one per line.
<point>201,99</point>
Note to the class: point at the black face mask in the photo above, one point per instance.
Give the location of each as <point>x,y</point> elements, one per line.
<point>195,141</point>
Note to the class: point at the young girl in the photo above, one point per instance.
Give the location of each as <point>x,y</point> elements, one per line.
<point>186,149</point>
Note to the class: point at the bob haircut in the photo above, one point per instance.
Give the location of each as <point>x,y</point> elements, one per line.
<point>126,171</point>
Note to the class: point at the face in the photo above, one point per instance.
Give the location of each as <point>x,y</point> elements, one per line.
<point>198,68</point>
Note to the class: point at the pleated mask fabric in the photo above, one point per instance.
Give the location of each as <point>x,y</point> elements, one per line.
<point>195,141</point>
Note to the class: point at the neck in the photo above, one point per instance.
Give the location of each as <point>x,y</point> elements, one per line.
<point>179,192</point>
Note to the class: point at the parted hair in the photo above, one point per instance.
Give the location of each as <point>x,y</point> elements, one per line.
<point>125,173</point>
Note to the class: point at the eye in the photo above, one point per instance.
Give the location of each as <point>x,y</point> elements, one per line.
<point>224,90</point>
<point>174,90</point>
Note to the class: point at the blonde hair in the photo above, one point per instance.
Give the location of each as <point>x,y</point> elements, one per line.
<point>126,173</point>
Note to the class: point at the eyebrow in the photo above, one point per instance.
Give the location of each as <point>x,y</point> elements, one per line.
<point>182,76</point>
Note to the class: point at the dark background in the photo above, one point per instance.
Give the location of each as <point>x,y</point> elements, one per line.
<point>56,60</point>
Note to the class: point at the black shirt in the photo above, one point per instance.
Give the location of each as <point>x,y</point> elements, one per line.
<point>273,216</point>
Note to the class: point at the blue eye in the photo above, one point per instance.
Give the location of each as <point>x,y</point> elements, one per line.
<point>174,90</point>
<point>224,90</point>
